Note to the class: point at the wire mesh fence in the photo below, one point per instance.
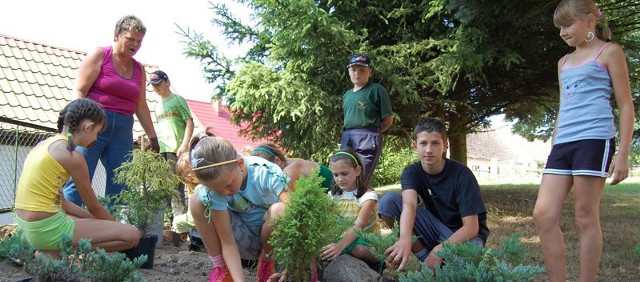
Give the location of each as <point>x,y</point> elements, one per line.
<point>16,140</point>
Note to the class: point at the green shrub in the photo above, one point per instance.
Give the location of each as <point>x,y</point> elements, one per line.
<point>113,267</point>
<point>150,183</point>
<point>17,249</point>
<point>396,155</point>
<point>80,264</point>
<point>308,223</point>
<point>380,243</point>
<point>471,262</point>
<point>67,268</point>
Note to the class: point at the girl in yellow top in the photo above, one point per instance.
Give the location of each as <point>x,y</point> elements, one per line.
<point>43,214</point>
<point>357,203</point>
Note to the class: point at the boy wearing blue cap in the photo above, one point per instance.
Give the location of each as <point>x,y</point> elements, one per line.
<point>367,114</point>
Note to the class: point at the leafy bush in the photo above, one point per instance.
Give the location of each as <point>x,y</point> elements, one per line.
<point>67,268</point>
<point>471,262</point>
<point>396,155</point>
<point>113,267</point>
<point>308,223</point>
<point>150,183</point>
<point>15,248</point>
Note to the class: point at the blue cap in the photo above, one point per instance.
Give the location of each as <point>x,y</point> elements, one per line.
<point>158,76</point>
<point>359,59</point>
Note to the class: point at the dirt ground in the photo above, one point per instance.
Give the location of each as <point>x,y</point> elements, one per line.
<point>171,264</point>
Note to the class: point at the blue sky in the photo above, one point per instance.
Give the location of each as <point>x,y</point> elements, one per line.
<point>84,25</point>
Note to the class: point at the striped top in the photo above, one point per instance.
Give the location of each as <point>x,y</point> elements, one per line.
<point>349,206</point>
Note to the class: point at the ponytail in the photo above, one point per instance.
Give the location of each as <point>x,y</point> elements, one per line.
<point>602,26</point>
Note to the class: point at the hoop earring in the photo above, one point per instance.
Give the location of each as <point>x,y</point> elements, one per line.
<point>590,36</point>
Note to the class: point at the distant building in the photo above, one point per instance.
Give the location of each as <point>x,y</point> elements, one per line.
<point>501,156</point>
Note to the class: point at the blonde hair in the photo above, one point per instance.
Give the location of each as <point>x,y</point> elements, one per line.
<point>183,169</point>
<point>207,151</point>
<point>129,23</point>
<point>268,151</point>
<point>569,10</point>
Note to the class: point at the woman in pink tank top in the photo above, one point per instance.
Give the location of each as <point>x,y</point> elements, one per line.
<point>111,77</point>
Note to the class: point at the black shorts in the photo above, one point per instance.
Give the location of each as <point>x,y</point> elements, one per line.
<point>590,157</point>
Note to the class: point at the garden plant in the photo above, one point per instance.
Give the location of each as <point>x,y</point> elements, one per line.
<point>150,184</point>
<point>308,223</point>
<point>472,262</point>
<point>80,264</point>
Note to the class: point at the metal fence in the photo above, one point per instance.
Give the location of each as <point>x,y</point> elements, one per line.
<point>16,140</point>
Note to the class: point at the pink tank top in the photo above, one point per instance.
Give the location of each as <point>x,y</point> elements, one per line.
<point>113,92</point>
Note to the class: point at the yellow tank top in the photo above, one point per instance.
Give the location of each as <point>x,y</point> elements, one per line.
<point>40,186</point>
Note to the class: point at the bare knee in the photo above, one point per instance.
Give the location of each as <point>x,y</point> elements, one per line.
<point>274,211</point>
<point>360,251</point>
<point>131,236</point>
<point>586,219</point>
<point>543,218</point>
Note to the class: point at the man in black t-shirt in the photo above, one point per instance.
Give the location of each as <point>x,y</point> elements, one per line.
<point>452,207</point>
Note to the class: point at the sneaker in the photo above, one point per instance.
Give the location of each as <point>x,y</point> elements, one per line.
<point>266,268</point>
<point>220,274</point>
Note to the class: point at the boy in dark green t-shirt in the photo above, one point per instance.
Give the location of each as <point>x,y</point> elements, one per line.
<point>367,114</point>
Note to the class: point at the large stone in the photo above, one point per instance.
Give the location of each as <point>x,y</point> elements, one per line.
<point>346,268</point>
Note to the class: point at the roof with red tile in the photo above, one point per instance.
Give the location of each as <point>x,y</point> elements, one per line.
<point>218,118</point>
<point>37,81</point>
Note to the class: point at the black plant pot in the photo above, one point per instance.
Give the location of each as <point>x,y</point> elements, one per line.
<point>147,246</point>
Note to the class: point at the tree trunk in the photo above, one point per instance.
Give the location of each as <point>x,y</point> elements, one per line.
<point>458,147</point>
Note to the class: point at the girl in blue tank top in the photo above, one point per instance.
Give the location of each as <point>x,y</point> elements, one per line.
<point>582,156</point>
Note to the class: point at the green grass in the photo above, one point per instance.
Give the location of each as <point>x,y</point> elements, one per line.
<point>510,207</point>
<point>509,211</point>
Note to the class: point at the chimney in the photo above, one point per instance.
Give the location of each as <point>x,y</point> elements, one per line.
<point>217,104</point>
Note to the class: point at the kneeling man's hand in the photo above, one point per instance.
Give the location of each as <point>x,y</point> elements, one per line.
<point>433,260</point>
<point>398,253</point>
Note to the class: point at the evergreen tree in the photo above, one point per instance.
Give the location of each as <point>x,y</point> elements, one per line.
<point>462,60</point>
